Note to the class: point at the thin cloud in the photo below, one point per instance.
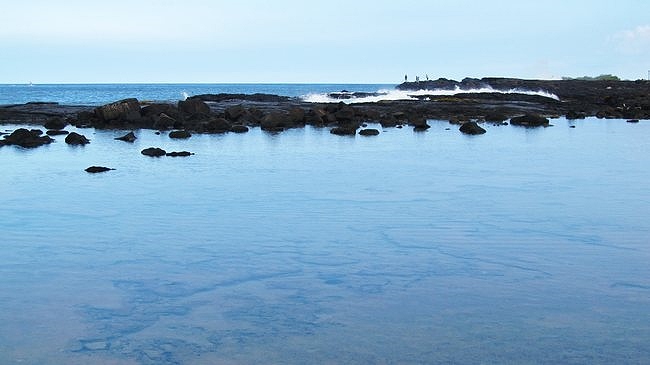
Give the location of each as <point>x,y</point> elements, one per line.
<point>635,41</point>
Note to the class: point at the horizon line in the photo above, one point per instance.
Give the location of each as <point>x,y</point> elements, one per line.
<point>196,83</point>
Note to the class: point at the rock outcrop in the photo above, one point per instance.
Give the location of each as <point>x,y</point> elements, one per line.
<point>129,137</point>
<point>123,110</point>
<point>75,139</point>
<point>180,134</point>
<point>153,152</point>
<point>471,128</point>
<point>530,120</point>
<point>369,132</point>
<point>26,138</point>
<point>97,169</point>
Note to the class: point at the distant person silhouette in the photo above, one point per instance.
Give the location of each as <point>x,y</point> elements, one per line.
<point>406,78</point>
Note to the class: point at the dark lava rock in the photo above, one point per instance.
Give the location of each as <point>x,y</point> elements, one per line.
<point>345,114</point>
<point>571,114</point>
<point>193,106</point>
<point>633,121</point>
<point>235,112</point>
<point>471,128</point>
<point>129,137</point>
<point>400,115</point>
<point>344,94</point>
<point>55,123</point>
<point>216,125</point>
<point>25,138</point>
<point>163,122</point>
<point>97,169</point>
<point>419,124</point>
<point>180,134</point>
<point>530,120</point>
<point>238,128</point>
<point>75,138</point>
<point>56,132</point>
<point>155,109</point>
<point>344,131</point>
<point>257,97</point>
<point>296,116</point>
<point>275,122</point>
<point>127,109</point>
<point>495,116</point>
<point>153,152</point>
<point>179,154</point>
<point>369,132</point>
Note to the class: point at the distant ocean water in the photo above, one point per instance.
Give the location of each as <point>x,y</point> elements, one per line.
<point>98,94</point>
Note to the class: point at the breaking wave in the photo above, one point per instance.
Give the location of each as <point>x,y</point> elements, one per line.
<point>385,94</point>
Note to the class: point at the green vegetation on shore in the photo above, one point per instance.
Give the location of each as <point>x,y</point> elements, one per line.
<point>603,77</point>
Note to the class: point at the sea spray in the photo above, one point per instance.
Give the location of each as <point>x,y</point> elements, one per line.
<point>386,94</point>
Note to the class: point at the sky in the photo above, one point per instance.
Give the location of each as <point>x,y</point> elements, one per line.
<point>335,41</point>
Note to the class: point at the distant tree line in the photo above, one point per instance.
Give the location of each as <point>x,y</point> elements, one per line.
<point>603,77</point>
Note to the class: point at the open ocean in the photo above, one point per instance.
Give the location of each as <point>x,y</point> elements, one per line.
<point>98,94</point>
<point>519,246</point>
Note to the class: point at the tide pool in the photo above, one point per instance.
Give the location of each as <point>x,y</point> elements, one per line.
<point>517,246</point>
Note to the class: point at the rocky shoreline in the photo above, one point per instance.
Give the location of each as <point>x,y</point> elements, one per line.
<point>222,113</point>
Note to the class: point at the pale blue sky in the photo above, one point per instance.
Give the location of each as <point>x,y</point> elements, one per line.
<point>319,41</point>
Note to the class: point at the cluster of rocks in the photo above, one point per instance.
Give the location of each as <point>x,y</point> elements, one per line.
<point>27,138</point>
<point>159,152</point>
<point>577,98</point>
<point>236,113</point>
<point>195,115</point>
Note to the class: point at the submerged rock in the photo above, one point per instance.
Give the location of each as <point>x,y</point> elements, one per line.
<point>471,128</point>
<point>26,138</point>
<point>633,121</point>
<point>153,152</point>
<point>179,154</point>
<point>75,138</point>
<point>56,132</point>
<point>129,137</point>
<point>98,169</point>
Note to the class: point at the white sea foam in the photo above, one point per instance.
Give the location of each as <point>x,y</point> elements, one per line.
<point>395,94</point>
<point>185,95</point>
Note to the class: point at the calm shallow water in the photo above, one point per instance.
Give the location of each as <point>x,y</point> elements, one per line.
<point>517,246</point>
